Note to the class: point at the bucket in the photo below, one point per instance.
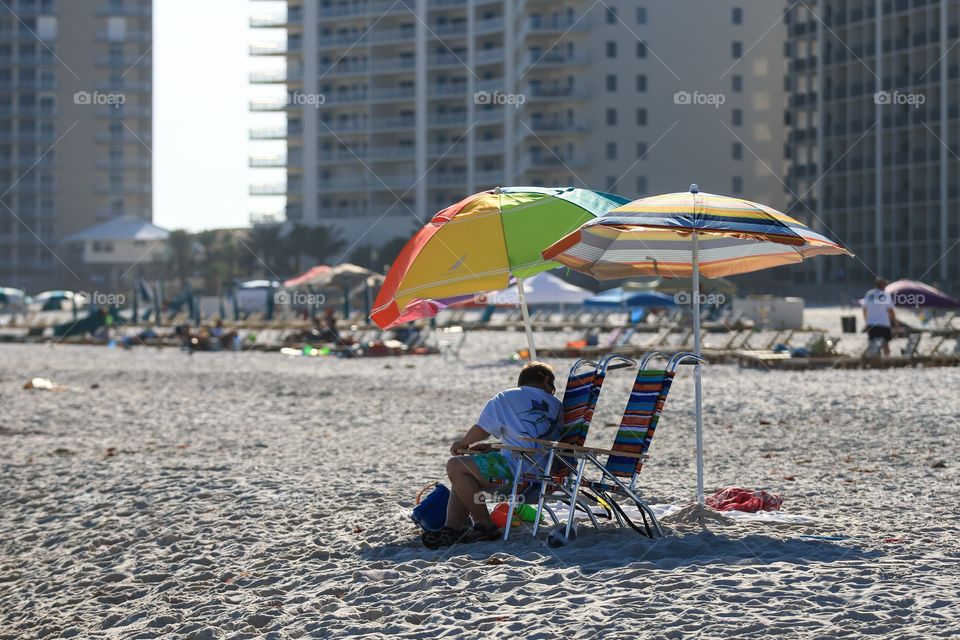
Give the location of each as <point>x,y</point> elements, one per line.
<point>430,513</point>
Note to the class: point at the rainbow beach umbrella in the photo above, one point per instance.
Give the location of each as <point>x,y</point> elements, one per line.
<point>686,235</point>
<point>477,244</point>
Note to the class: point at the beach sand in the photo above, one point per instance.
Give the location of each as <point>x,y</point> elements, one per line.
<point>236,495</point>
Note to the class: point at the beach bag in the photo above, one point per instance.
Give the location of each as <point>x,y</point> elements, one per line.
<point>430,514</point>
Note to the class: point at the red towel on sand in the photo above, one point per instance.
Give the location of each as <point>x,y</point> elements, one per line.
<point>737,499</point>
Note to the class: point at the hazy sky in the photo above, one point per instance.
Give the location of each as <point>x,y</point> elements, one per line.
<point>201,117</point>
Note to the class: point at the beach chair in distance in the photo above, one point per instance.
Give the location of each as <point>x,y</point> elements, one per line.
<point>451,341</point>
<point>619,472</point>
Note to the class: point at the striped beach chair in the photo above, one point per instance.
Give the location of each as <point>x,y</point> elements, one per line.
<point>616,476</point>
<point>580,397</point>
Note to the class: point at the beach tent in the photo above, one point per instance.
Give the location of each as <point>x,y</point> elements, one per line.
<point>620,298</point>
<point>686,235</point>
<point>543,288</point>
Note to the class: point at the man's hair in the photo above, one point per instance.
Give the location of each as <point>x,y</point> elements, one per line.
<point>880,283</point>
<point>535,374</point>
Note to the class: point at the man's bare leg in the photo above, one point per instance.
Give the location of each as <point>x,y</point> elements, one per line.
<point>465,478</point>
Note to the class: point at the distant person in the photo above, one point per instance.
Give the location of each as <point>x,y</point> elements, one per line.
<point>878,313</point>
<point>528,410</point>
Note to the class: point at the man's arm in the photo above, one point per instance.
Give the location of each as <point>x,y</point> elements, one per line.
<point>893,317</point>
<point>473,435</point>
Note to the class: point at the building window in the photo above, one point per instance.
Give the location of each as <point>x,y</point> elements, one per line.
<point>612,117</point>
<point>736,15</point>
<point>641,15</point>
<point>641,185</point>
<point>612,49</point>
<point>641,117</point>
<point>737,83</point>
<point>737,185</point>
<point>737,151</point>
<point>736,48</point>
<point>641,82</point>
<point>611,183</point>
<point>641,150</point>
<point>611,82</point>
<point>641,49</point>
<point>611,151</point>
<point>736,117</point>
<point>611,15</point>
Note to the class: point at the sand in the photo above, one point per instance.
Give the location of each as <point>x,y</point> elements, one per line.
<point>239,495</point>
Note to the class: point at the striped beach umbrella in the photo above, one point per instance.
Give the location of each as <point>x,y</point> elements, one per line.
<point>477,244</point>
<point>686,235</point>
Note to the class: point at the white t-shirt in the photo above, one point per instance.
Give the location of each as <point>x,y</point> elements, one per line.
<point>878,303</point>
<point>521,412</point>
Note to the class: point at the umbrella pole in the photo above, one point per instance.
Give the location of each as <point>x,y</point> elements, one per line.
<point>526,319</point>
<point>697,390</point>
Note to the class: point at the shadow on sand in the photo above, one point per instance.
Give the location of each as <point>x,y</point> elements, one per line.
<point>597,550</point>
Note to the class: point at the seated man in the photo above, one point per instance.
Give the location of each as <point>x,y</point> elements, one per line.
<point>528,410</point>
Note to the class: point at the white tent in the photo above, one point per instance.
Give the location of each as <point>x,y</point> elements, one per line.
<point>543,288</point>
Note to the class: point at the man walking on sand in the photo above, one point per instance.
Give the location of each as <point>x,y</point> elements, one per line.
<point>879,315</point>
<point>528,410</point>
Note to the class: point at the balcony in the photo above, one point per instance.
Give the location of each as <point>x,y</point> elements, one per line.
<point>272,133</point>
<point>540,93</point>
<point>347,183</point>
<point>268,21</point>
<point>345,69</point>
<point>129,11</point>
<point>541,127</point>
<point>401,123</point>
<point>396,64</point>
<point>345,97</point>
<point>132,35</point>
<point>123,137</point>
<point>394,93</point>
<point>269,104</point>
<point>554,27</point>
<point>33,137</point>
<point>123,189</point>
<point>268,77</point>
<point>276,161</point>
<point>276,189</point>
<point>119,164</point>
<point>385,36</point>
<point>125,62</point>
<point>553,59</point>
<point>268,49</point>
<point>358,9</point>
<point>446,89</point>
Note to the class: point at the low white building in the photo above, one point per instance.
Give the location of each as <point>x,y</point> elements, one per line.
<point>118,250</point>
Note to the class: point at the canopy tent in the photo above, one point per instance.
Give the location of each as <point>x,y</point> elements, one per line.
<point>543,288</point>
<point>620,298</point>
<point>308,277</point>
<point>678,285</point>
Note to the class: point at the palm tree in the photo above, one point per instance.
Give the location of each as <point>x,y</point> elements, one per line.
<point>326,243</point>
<point>180,244</point>
<point>267,242</point>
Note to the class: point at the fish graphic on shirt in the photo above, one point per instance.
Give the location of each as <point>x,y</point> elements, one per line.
<point>537,415</point>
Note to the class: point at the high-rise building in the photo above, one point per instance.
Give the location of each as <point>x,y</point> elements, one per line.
<point>75,129</point>
<point>397,108</point>
<point>873,137</point>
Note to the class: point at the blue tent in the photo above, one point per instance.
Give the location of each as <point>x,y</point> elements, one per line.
<point>620,299</point>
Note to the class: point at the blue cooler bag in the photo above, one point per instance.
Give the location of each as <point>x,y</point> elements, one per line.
<point>430,513</point>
